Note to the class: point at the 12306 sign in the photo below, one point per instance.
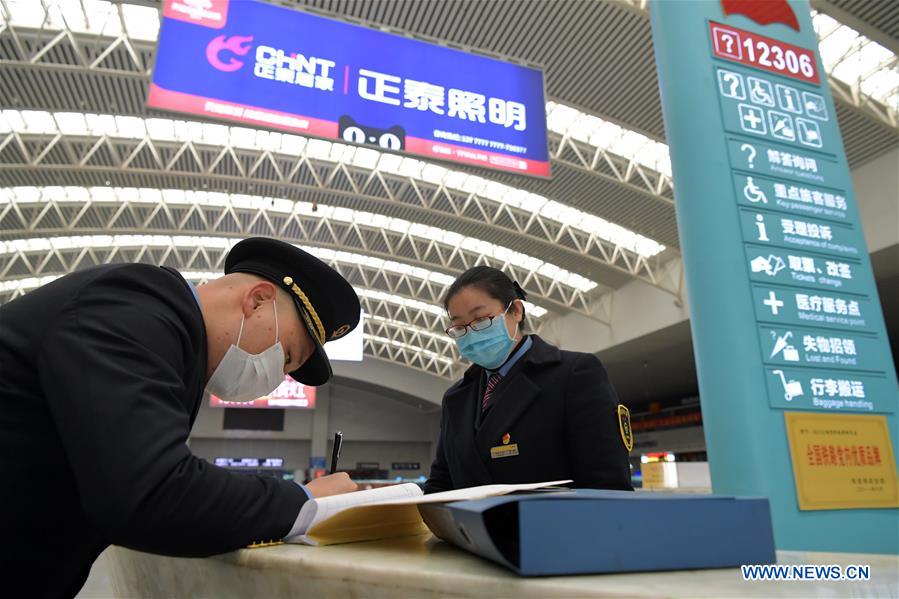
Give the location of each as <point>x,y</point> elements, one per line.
<point>763,53</point>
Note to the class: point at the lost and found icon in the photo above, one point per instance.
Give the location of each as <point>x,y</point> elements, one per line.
<point>783,347</point>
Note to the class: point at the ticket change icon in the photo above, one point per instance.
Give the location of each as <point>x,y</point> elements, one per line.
<point>814,106</point>
<point>770,264</point>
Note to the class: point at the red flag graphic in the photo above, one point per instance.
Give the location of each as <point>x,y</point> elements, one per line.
<point>763,12</point>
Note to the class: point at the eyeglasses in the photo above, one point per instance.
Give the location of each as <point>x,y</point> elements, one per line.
<point>479,324</point>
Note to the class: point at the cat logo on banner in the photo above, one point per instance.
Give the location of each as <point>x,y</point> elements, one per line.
<point>624,425</point>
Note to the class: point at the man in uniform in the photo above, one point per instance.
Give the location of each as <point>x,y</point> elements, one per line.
<point>102,373</point>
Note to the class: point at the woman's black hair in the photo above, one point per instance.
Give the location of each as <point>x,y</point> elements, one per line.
<point>491,281</point>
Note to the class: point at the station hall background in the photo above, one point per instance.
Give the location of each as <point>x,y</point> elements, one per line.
<point>89,174</point>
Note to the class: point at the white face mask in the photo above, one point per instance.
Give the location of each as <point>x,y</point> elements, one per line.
<point>242,376</point>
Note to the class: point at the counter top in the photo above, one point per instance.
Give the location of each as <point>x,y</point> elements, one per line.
<point>423,566</point>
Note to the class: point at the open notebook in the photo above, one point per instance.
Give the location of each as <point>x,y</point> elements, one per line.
<point>382,513</point>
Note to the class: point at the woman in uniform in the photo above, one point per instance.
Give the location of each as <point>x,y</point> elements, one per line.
<point>525,411</point>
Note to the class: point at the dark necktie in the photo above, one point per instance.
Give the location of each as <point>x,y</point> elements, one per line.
<point>492,382</point>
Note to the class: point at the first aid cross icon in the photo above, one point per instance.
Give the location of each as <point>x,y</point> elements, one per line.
<point>752,119</point>
<point>773,303</point>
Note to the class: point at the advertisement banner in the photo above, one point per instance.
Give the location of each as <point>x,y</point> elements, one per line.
<point>267,66</point>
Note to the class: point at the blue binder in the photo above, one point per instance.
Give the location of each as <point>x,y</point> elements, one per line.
<point>587,531</point>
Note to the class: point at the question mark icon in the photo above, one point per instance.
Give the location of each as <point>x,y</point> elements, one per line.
<point>729,42</point>
<point>751,155</point>
<point>733,81</point>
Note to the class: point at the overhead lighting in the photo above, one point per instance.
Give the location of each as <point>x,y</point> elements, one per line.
<point>597,132</point>
<point>86,124</point>
<point>26,284</point>
<point>179,197</point>
<point>45,244</point>
<point>403,302</point>
<point>408,347</point>
<point>95,17</point>
<point>197,277</point>
<point>204,277</point>
<point>530,308</point>
<point>412,329</point>
<point>35,282</point>
<point>858,60</point>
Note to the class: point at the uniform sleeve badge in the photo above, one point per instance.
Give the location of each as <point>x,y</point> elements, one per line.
<point>624,426</point>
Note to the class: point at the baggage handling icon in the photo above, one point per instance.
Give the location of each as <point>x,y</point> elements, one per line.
<point>791,388</point>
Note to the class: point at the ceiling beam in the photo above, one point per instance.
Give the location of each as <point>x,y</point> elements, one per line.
<point>55,157</point>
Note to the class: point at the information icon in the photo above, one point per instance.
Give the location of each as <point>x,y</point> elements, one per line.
<point>788,99</point>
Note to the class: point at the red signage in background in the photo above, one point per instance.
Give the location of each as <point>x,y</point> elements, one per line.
<point>289,394</point>
<point>667,421</point>
<point>763,53</point>
<point>763,12</point>
<point>209,13</point>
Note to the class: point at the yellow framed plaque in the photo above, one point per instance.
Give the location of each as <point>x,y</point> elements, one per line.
<point>842,461</point>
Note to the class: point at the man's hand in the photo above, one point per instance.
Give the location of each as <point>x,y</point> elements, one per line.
<point>333,484</point>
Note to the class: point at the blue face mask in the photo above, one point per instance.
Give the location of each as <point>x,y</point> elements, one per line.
<point>489,347</point>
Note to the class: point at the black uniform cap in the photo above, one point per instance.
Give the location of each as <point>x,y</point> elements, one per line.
<point>328,306</point>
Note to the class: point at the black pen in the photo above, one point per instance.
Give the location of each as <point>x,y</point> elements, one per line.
<point>335,451</point>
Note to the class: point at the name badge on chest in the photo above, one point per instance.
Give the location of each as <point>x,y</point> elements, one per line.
<point>506,450</point>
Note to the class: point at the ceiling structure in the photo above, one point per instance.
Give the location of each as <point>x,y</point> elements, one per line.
<point>89,175</point>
